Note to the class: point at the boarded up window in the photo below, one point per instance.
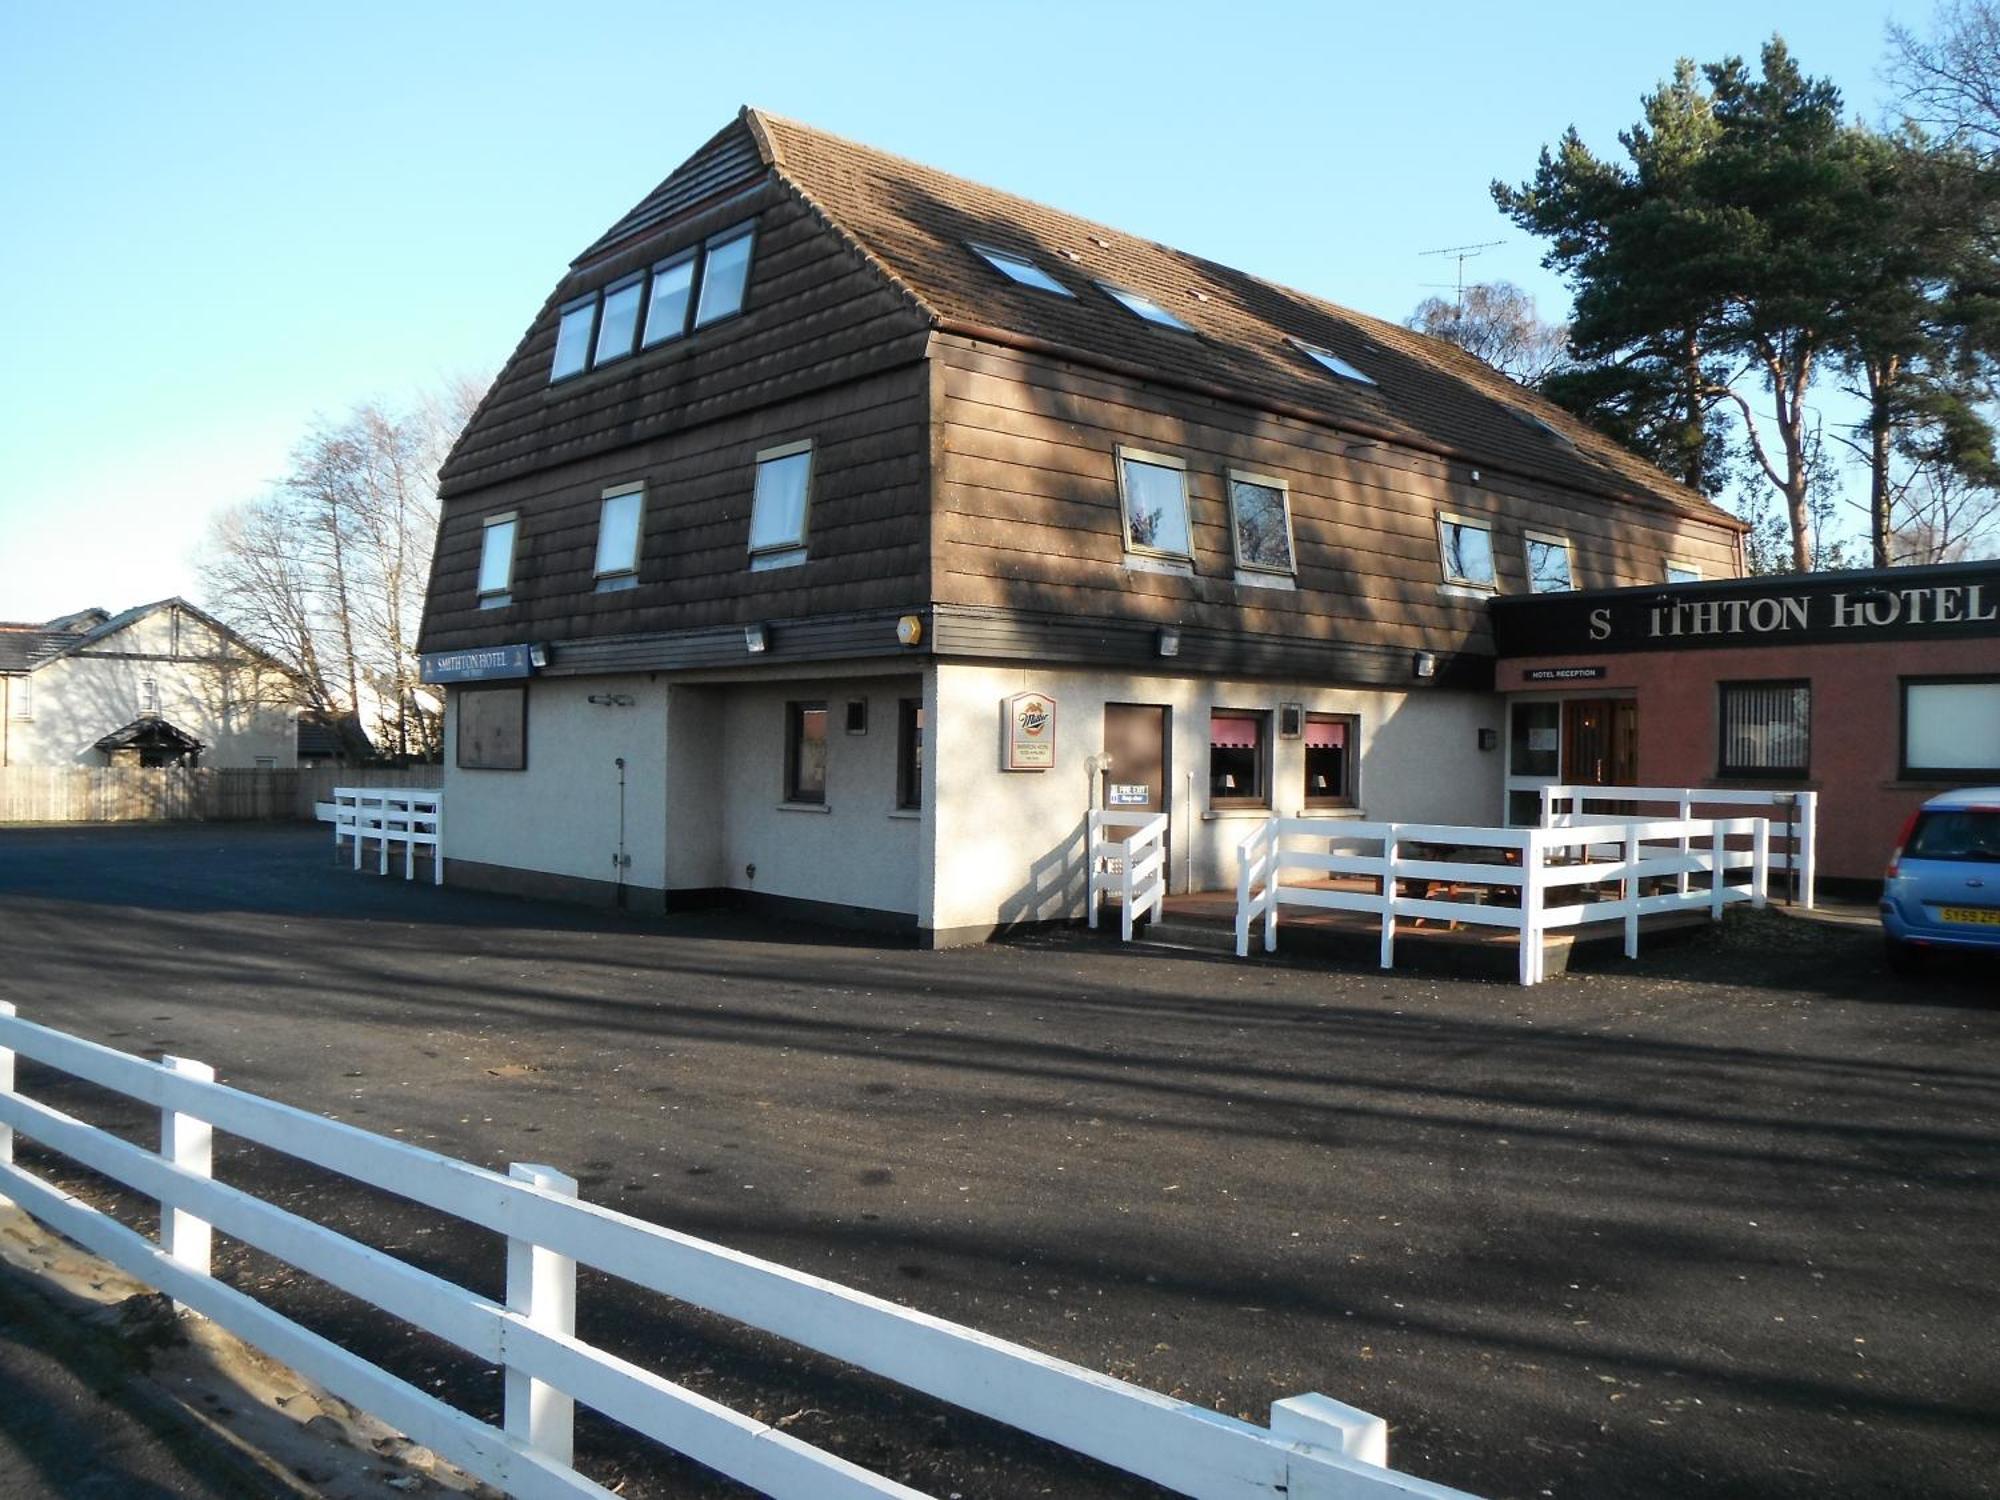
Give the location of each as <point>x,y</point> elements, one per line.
<point>493,728</point>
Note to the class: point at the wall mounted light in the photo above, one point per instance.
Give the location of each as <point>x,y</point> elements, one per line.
<point>538,655</point>
<point>1489,739</point>
<point>1168,641</point>
<point>1424,664</point>
<point>756,638</point>
<point>909,630</point>
<point>1291,720</point>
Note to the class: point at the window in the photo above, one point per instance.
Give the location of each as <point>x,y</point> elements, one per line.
<point>1236,759</point>
<point>910,753</point>
<point>673,291</point>
<point>579,318</point>
<point>1330,742</point>
<point>618,522</point>
<point>1766,728</point>
<point>1680,572</point>
<point>1951,727</point>
<point>1152,489</point>
<point>618,327</point>
<point>1466,548</point>
<point>493,728</point>
<point>21,698</point>
<point>725,271</point>
<point>1327,360</point>
<point>1548,564</point>
<point>778,508</point>
<point>805,753</point>
<point>1260,518</point>
<point>1020,268</point>
<point>267,762</point>
<point>149,695</point>
<point>496,560</point>
<point>1144,307</point>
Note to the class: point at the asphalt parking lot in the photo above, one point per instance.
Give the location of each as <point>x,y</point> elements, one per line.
<point>1717,1223</point>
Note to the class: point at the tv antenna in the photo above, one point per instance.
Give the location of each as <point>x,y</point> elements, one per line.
<point>1464,254</point>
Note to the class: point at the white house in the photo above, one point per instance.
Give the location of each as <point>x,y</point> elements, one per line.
<point>161,684</point>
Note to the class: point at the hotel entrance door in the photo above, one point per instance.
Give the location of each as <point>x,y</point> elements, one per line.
<point>1569,742</point>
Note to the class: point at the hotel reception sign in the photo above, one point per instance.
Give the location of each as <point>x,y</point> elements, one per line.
<point>1028,728</point>
<point>1885,605</point>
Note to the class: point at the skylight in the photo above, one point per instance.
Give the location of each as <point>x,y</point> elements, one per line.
<point>1327,360</point>
<point>1143,307</point>
<point>1020,268</point>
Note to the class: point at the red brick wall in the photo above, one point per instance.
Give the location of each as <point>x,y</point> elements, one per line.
<point>1856,725</point>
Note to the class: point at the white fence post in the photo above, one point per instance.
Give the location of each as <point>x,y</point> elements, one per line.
<point>541,1287</point>
<point>1805,853</point>
<point>189,1143</point>
<point>1760,861</point>
<point>6,1087</point>
<point>1629,849</point>
<point>1327,1423</point>
<point>1093,851</point>
<point>1532,893</point>
<point>1687,844</point>
<point>1718,881</point>
<point>1389,897</point>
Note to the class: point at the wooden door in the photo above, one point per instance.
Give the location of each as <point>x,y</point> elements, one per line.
<point>1601,742</point>
<point>1135,737</point>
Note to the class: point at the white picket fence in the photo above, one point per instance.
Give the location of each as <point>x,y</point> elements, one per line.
<point>1794,816</point>
<point>1315,1448</point>
<point>1133,868</point>
<point>1539,880</point>
<point>411,818</point>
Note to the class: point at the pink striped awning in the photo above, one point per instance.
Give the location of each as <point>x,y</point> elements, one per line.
<point>1233,731</point>
<point>1326,734</point>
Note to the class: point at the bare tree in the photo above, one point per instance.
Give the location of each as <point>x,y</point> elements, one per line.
<point>327,572</point>
<point>1496,322</point>
<point>1950,80</point>
<point>1940,515</point>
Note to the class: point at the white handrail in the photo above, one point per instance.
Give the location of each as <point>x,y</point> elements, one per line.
<point>1134,867</point>
<point>1795,812</point>
<point>1314,1446</point>
<point>411,817</point>
<point>1541,863</point>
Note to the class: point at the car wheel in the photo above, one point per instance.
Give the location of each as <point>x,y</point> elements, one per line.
<point>1904,958</point>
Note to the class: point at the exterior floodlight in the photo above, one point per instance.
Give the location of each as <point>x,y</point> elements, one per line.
<point>756,638</point>
<point>1424,664</point>
<point>538,655</point>
<point>909,630</point>
<point>1168,641</point>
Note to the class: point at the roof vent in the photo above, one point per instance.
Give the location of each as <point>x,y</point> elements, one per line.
<point>1199,296</point>
<point>1101,244</point>
<point>1072,255</point>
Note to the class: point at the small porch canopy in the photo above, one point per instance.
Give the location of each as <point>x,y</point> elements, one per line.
<point>153,741</point>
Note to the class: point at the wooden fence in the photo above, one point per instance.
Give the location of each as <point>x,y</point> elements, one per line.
<point>127,794</point>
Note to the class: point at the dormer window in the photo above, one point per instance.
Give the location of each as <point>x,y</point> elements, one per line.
<point>778,508</point>
<point>1327,360</point>
<point>725,272</point>
<point>1548,564</point>
<point>672,295</point>
<point>1465,548</point>
<point>579,320</point>
<point>618,326</point>
<point>1152,489</point>
<point>1143,307</point>
<point>1020,268</point>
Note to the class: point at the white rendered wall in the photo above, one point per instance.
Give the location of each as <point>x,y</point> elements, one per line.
<point>560,815</point>
<point>1010,844</point>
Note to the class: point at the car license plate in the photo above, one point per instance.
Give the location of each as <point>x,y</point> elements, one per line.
<point>1987,916</point>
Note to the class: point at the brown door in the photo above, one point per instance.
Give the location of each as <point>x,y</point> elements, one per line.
<point>1135,737</point>
<point>1601,742</point>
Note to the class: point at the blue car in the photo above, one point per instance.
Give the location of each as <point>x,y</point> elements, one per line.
<point>1942,887</point>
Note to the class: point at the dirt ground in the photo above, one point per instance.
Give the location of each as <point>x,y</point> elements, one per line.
<point>1719,1222</point>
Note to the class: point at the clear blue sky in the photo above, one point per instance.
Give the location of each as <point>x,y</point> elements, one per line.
<point>219,220</point>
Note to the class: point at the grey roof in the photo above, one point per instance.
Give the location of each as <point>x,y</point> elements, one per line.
<point>26,647</point>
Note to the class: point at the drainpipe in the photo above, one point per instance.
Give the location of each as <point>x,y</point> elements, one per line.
<point>620,859</point>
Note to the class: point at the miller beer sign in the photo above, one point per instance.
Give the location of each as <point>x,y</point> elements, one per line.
<point>1030,732</point>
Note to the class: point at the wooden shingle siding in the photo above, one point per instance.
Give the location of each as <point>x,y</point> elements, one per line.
<point>867,527</point>
<point>1028,513</point>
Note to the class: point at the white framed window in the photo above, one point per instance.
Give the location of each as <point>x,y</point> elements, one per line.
<point>1332,363</point>
<point>672,296</point>
<point>1682,572</point>
<point>619,520</point>
<point>496,559</point>
<point>1951,727</point>
<point>618,323</point>
<point>149,695</point>
<point>779,506</point>
<point>1152,495</point>
<point>1142,307</point>
<point>1465,549</point>
<point>21,698</point>
<point>1019,268</point>
<point>725,273</point>
<point>1260,520</point>
<point>579,321</point>
<point>1549,569</point>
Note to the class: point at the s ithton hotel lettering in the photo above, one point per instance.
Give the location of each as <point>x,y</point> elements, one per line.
<point>1878,609</point>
